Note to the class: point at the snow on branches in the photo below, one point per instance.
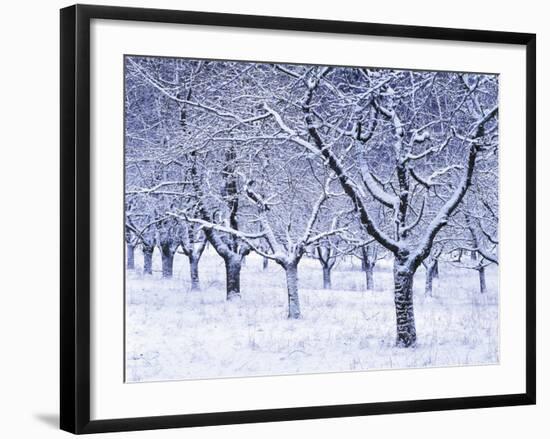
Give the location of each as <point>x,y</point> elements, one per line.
<point>289,160</point>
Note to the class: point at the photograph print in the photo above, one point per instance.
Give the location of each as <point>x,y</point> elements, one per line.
<point>297,219</point>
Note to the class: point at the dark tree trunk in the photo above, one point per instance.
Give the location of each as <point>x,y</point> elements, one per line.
<point>148,260</point>
<point>167,262</point>
<point>233,277</point>
<point>194,269</point>
<point>327,283</point>
<point>403,297</point>
<point>369,273</point>
<point>130,260</point>
<point>265,263</point>
<point>291,271</point>
<point>482,284</point>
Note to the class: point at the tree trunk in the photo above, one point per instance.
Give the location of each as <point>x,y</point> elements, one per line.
<point>369,272</point>
<point>430,269</point>
<point>130,260</point>
<point>233,277</point>
<point>368,262</point>
<point>482,284</point>
<point>435,270</point>
<point>265,263</point>
<point>291,271</point>
<point>327,284</point>
<point>473,254</point>
<point>148,260</point>
<point>167,262</point>
<point>403,297</point>
<point>194,269</point>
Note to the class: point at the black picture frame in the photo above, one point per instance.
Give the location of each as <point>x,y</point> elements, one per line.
<point>75,218</point>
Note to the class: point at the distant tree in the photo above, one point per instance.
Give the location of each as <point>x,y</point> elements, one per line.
<point>193,242</point>
<point>431,264</point>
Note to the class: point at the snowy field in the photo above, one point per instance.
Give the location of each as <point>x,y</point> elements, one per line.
<point>175,334</point>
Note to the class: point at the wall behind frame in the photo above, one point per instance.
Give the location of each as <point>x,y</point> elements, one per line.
<point>30,204</point>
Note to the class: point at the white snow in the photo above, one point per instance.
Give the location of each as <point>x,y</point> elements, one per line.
<point>175,334</point>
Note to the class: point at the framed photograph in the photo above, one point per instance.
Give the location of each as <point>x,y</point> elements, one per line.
<point>267,219</point>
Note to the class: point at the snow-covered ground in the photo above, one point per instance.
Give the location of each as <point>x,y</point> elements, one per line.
<point>174,334</point>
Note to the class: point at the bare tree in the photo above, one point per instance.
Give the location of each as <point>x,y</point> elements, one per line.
<point>287,224</point>
<point>193,242</point>
<point>431,264</point>
<point>369,257</point>
<point>393,101</point>
<point>326,254</point>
